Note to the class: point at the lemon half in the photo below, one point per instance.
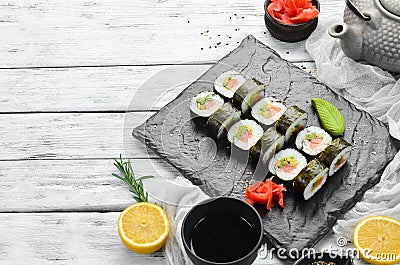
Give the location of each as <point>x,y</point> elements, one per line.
<point>143,227</point>
<point>377,239</point>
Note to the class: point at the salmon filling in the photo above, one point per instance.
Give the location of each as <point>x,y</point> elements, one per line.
<point>244,133</point>
<point>205,103</point>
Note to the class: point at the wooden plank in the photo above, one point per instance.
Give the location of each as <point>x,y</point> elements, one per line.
<point>71,185</point>
<point>66,238</point>
<point>96,88</point>
<point>140,32</point>
<point>70,136</point>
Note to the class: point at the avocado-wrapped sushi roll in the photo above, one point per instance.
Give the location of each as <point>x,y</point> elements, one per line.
<point>268,110</point>
<point>313,140</point>
<point>245,134</point>
<point>311,178</point>
<point>291,122</point>
<point>222,120</point>
<point>287,164</point>
<point>270,143</point>
<point>247,95</point>
<point>335,155</point>
<point>205,104</point>
<point>228,82</point>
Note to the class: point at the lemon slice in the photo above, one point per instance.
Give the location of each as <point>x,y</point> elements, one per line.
<point>143,227</point>
<point>377,239</point>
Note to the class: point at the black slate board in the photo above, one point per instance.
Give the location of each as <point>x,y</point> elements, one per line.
<point>219,169</point>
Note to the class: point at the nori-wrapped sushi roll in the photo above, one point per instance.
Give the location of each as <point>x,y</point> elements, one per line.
<point>311,178</point>
<point>313,140</point>
<point>268,110</point>
<point>228,82</point>
<point>247,95</point>
<point>335,155</point>
<point>245,134</point>
<point>205,104</point>
<point>270,143</point>
<point>287,164</point>
<point>222,120</point>
<point>292,122</point>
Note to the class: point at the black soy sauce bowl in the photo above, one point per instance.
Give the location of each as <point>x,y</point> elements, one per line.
<point>227,205</point>
<point>325,257</point>
<point>287,32</point>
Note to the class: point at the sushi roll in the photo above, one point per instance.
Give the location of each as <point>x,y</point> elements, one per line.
<point>268,110</point>
<point>228,82</point>
<point>287,164</point>
<point>270,143</point>
<point>291,122</point>
<point>222,120</point>
<point>245,134</point>
<point>311,178</point>
<point>205,104</point>
<point>335,155</point>
<point>313,140</point>
<point>247,95</point>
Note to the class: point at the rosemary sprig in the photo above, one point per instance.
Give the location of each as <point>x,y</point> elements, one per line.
<point>135,184</point>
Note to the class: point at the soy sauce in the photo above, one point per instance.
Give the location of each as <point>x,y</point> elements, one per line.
<point>223,237</point>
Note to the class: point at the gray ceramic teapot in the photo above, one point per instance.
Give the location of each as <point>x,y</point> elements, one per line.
<point>371,32</point>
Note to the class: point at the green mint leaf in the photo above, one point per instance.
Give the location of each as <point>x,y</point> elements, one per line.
<point>330,117</point>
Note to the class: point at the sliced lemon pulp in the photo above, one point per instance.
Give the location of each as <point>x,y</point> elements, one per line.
<point>378,240</point>
<point>143,227</point>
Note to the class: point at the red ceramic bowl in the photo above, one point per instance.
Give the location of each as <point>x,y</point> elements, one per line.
<point>287,32</point>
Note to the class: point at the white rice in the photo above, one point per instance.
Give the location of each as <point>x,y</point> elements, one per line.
<point>219,83</point>
<point>303,144</point>
<point>266,101</point>
<point>209,112</point>
<point>308,192</point>
<point>257,132</point>
<point>302,162</point>
<point>344,153</point>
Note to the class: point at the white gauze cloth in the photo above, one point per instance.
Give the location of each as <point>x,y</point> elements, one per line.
<point>375,91</point>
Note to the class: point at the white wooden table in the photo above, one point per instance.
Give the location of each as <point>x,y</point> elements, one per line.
<point>68,72</point>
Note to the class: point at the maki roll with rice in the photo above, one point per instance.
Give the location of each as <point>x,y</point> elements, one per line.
<point>228,82</point>
<point>245,134</point>
<point>291,122</point>
<point>336,155</point>
<point>287,164</point>
<point>270,143</point>
<point>313,140</point>
<point>247,95</point>
<point>205,104</point>
<point>268,110</point>
<point>222,120</point>
<point>311,178</point>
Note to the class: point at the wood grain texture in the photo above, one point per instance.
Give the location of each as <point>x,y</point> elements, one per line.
<point>71,185</point>
<point>93,88</point>
<point>97,89</point>
<point>66,238</point>
<point>71,136</point>
<point>140,32</point>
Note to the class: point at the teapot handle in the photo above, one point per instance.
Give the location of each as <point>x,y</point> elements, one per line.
<point>357,12</point>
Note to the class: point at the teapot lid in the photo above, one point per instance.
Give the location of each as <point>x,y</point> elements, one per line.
<point>393,6</point>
